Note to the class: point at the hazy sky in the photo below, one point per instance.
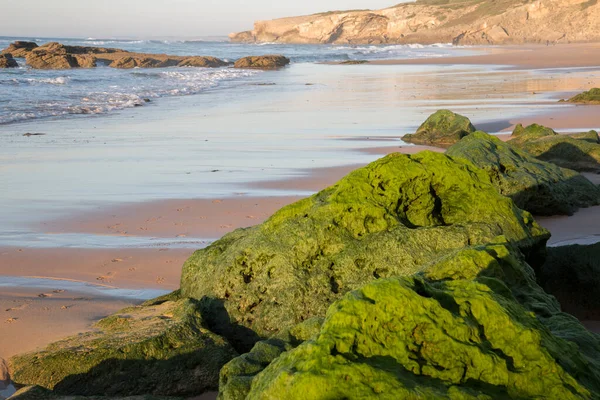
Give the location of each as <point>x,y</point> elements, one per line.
<point>155,18</point>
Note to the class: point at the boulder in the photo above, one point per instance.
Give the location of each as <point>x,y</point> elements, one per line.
<point>262,62</point>
<point>51,56</point>
<point>7,61</point>
<point>592,96</point>
<point>572,275</point>
<point>129,62</point>
<point>206,62</point>
<point>19,49</point>
<point>539,187</point>
<point>579,152</point>
<point>159,348</point>
<point>85,61</point>
<point>442,129</point>
<point>386,219</point>
<point>472,325</point>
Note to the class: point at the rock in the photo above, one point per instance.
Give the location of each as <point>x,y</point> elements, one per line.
<point>19,49</point>
<point>159,348</point>
<point>386,219</point>
<point>51,56</point>
<point>39,393</point>
<point>85,61</point>
<point>354,62</point>
<point>577,152</point>
<point>262,62</point>
<point>572,275</point>
<point>472,325</point>
<point>592,96</point>
<point>206,62</point>
<point>539,187</point>
<point>4,374</point>
<point>7,61</point>
<point>237,375</point>
<point>442,129</point>
<point>141,62</point>
<point>590,136</point>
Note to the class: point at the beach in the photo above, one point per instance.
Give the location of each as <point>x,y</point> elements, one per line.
<point>120,201</point>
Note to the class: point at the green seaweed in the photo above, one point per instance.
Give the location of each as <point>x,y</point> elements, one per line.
<point>443,128</point>
<point>592,96</point>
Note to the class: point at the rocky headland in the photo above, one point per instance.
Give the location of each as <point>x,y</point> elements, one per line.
<point>417,276</point>
<point>440,21</point>
<point>58,56</point>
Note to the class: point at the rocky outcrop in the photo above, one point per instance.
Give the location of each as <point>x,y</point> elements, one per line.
<point>539,187</point>
<point>129,62</point>
<point>19,49</point>
<point>262,62</point>
<point>205,62</point>
<point>160,348</point>
<point>57,56</point>
<point>7,61</point>
<point>434,21</point>
<point>592,96</point>
<point>386,219</point>
<point>472,325</point>
<point>442,129</point>
<point>580,152</point>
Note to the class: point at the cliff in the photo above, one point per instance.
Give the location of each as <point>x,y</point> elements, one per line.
<point>440,21</point>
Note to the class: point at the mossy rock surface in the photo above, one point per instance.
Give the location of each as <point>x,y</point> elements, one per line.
<point>539,187</point>
<point>579,152</point>
<point>443,128</point>
<point>473,325</point>
<point>590,136</point>
<point>160,348</point>
<point>572,274</point>
<point>592,96</point>
<point>386,219</point>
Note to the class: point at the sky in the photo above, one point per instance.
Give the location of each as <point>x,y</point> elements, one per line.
<point>155,18</point>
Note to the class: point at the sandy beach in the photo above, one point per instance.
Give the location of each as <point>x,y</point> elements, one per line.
<point>31,318</point>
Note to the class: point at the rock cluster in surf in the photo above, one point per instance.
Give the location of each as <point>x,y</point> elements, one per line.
<point>411,277</point>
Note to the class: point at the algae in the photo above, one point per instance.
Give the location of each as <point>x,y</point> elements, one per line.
<point>539,187</point>
<point>592,96</point>
<point>443,128</point>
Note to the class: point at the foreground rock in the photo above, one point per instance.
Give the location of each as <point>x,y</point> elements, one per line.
<point>577,152</point>
<point>435,21</point>
<point>39,393</point>
<point>539,187</point>
<point>19,49</point>
<point>442,129</point>
<point>4,374</point>
<point>160,348</point>
<point>7,61</point>
<point>473,325</point>
<point>386,219</point>
<point>592,96</point>
<point>262,62</point>
<point>572,274</point>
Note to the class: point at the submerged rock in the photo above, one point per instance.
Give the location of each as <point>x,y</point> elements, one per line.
<point>592,96</point>
<point>19,49</point>
<point>572,274</point>
<point>262,62</point>
<point>472,325</point>
<point>386,219</point>
<point>539,187</point>
<point>7,61</point>
<point>578,152</point>
<point>443,128</point>
<point>160,348</point>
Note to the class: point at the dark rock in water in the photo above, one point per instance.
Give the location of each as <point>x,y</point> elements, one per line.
<point>539,187</point>
<point>39,393</point>
<point>19,49</point>
<point>592,96</point>
<point>29,134</point>
<point>159,348</point>
<point>472,325</point>
<point>237,375</point>
<point>354,62</point>
<point>579,152</point>
<point>443,128</point>
<point>572,275</point>
<point>262,62</point>
<point>7,61</point>
<point>386,219</point>
<point>206,62</point>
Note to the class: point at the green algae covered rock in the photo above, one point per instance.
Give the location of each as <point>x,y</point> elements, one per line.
<point>386,219</point>
<point>592,96</point>
<point>536,186</point>
<point>473,325</point>
<point>578,152</point>
<point>442,129</point>
<point>590,136</point>
<point>159,348</point>
<point>572,274</point>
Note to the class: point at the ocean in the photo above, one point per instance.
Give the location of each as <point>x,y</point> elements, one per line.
<point>27,94</point>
